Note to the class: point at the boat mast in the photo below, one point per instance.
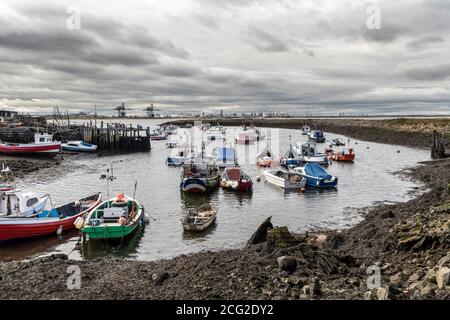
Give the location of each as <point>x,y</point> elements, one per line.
<point>109,176</point>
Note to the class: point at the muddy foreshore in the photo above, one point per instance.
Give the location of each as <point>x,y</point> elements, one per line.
<point>407,242</point>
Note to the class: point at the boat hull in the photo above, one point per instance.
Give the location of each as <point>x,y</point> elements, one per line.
<point>284,183</point>
<point>115,231</point>
<point>199,185</point>
<point>44,150</point>
<point>318,182</point>
<point>79,149</point>
<point>198,228</point>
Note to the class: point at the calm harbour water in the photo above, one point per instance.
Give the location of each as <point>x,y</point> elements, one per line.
<point>367,181</point>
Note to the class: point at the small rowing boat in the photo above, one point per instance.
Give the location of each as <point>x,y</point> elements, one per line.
<point>199,219</point>
<point>79,146</point>
<point>53,221</point>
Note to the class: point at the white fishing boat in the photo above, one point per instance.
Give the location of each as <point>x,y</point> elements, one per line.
<point>178,158</point>
<point>285,180</point>
<point>309,154</point>
<point>306,130</point>
<point>79,146</point>
<point>14,202</point>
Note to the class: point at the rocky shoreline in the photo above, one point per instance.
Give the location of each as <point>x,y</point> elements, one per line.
<point>408,243</point>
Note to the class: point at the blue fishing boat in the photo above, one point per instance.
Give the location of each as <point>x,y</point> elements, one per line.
<point>316,176</point>
<point>316,136</point>
<point>79,146</point>
<point>199,174</point>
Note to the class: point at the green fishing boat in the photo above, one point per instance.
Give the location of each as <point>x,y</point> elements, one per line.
<point>115,218</point>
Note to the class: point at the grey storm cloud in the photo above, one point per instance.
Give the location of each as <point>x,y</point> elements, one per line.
<point>200,55</point>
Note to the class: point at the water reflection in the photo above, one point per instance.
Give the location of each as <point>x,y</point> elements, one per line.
<point>122,248</point>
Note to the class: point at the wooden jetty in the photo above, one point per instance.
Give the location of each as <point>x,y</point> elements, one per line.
<point>437,147</point>
<point>117,137</point>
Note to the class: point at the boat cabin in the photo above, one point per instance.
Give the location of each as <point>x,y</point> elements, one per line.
<point>308,149</point>
<point>15,202</point>
<point>40,138</point>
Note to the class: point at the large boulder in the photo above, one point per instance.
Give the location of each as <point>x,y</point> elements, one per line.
<point>260,235</point>
<point>443,277</point>
<point>281,237</point>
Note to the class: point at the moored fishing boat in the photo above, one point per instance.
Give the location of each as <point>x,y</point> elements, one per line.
<point>245,137</point>
<point>291,158</point>
<point>43,146</point>
<point>309,154</point>
<point>316,136</point>
<point>199,219</point>
<point>316,176</point>
<point>53,221</point>
<point>285,180</point>
<point>157,134</point>
<point>306,129</point>
<point>337,142</point>
<point>344,155</point>
<point>265,158</point>
<point>14,203</point>
<point>79,146</point>
<point>235,179</point>
<point>177,159</point>
<point>115,218</point>
<point>199,174</point>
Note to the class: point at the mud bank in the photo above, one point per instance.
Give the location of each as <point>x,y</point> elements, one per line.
<point>22,167</point>
<point>407,132</point>
<point>409,243</point>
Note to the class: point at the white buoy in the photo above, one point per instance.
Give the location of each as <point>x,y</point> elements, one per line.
<point>59,230</point>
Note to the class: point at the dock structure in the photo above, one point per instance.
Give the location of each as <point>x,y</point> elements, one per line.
<point>437,147</point>
<point>116,137</point>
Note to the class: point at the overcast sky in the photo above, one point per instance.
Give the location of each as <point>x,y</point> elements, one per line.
<point>235,55</point>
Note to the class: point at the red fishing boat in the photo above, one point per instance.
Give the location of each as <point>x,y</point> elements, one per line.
<point>234,178</point>
<point>47,222</point>
<point>346,155</point>
<point>43,146</point>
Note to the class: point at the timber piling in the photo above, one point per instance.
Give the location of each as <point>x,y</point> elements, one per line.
<point>116,137</point>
